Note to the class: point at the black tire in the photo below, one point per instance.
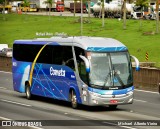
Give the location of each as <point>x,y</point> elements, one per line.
<point>73,99</point>
<point>28,92</point>
<point>113,107</point>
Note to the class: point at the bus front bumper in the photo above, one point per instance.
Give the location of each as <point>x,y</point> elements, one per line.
<point>97,99</point>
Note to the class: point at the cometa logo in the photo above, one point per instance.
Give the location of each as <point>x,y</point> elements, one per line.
<point>55,72</point>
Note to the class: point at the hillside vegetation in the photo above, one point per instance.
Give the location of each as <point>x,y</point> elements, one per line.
<point>138,41</point>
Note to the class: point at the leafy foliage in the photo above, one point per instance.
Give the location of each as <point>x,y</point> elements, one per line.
<point>48,2</point>
<point>2,1</point>
<point>137,41</point>
<point>26,3</point>
<point>142,3</point>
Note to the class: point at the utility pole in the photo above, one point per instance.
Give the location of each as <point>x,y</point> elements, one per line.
<point>81,17</point>
<point>157,16</point>
<point>4,5</point>
<point>102,13</point>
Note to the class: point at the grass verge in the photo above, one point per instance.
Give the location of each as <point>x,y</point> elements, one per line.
<point>139,41</point>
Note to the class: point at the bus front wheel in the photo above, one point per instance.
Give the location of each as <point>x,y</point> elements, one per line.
<point>28,92</point>
<point>73,99</point>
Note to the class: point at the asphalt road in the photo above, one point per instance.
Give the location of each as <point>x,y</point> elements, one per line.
<point>14,106</point>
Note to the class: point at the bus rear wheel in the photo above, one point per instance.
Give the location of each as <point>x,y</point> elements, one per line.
<point>73,99</point>
<point>28,92</point>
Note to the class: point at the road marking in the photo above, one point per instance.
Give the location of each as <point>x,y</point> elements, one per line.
<point>5,72</point>
<point>147,91</point>
<point>3,88</point>
<point>119,125</point>
<point>15,103</point>
<point>140,100</point>
<point>4,118</point>
<point>35,127</point>
<point>127,127</point>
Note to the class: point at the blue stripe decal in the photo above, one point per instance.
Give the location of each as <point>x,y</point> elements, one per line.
<point>47,82</point>
<point>107,49</point>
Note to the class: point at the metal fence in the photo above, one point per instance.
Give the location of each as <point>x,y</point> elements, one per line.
<point>147,78</point>
<point>5,63</point>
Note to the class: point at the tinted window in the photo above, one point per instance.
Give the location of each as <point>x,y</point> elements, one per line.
<point>81,64</point>
<point>61,55</point>
<point>68,57</point>
<point>46,55</point>
<point>79,51</point>
<point>23,52</point>
<point>58,55</point>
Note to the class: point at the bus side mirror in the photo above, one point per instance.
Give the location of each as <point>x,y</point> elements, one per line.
<point>137,63</point>
<point>86,63</point>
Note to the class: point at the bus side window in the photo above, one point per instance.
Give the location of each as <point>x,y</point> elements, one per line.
<point>68,57</point>
<point>70,63</point>
<point>82,71</point>
<point>81,64</point>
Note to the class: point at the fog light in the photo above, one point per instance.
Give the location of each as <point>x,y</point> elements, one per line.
<point>95,101</point>
<point>130,100</point>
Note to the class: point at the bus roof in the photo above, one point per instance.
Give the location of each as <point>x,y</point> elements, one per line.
<point>87,43</point>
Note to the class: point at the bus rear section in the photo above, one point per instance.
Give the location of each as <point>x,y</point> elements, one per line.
<point>46,71</point>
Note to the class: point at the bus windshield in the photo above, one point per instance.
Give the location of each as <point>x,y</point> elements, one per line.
<point>110,70</point>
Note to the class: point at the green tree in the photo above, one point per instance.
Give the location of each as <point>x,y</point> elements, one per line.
<point>74,12</point>
<point>103,10</point>
<point>157,16</point>
<point>124,14</point>
<point>49,2</point>
<point>89,9</point>
<point>124,10</point>
<point>102,13</point>
<point>3,2</point>
<point>81,18</point>
<point>25,4</point>
<point>142,4</point>
<point>89,3</point>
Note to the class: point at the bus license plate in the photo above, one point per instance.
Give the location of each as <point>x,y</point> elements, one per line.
<point>113,101</point>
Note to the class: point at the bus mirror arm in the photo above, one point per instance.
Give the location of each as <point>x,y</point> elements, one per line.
<point>137,63</point>
<point>86,63</point>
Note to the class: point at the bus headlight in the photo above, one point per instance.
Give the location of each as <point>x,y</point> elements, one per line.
<point>130,100</point>
<point>95,94</point>
<point>84,93</point>
<point>95,101</point>
<point>130,93</point>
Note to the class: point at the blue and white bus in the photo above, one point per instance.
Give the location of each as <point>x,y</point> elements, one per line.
<point>92,71</point>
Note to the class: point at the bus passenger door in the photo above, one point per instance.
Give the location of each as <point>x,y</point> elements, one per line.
<point>83,81</point>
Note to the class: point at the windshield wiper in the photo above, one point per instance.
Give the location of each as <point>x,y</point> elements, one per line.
<point>118,77</point>
<point>106,80</point>
<point>95,86</point>
<point>115,75</point>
